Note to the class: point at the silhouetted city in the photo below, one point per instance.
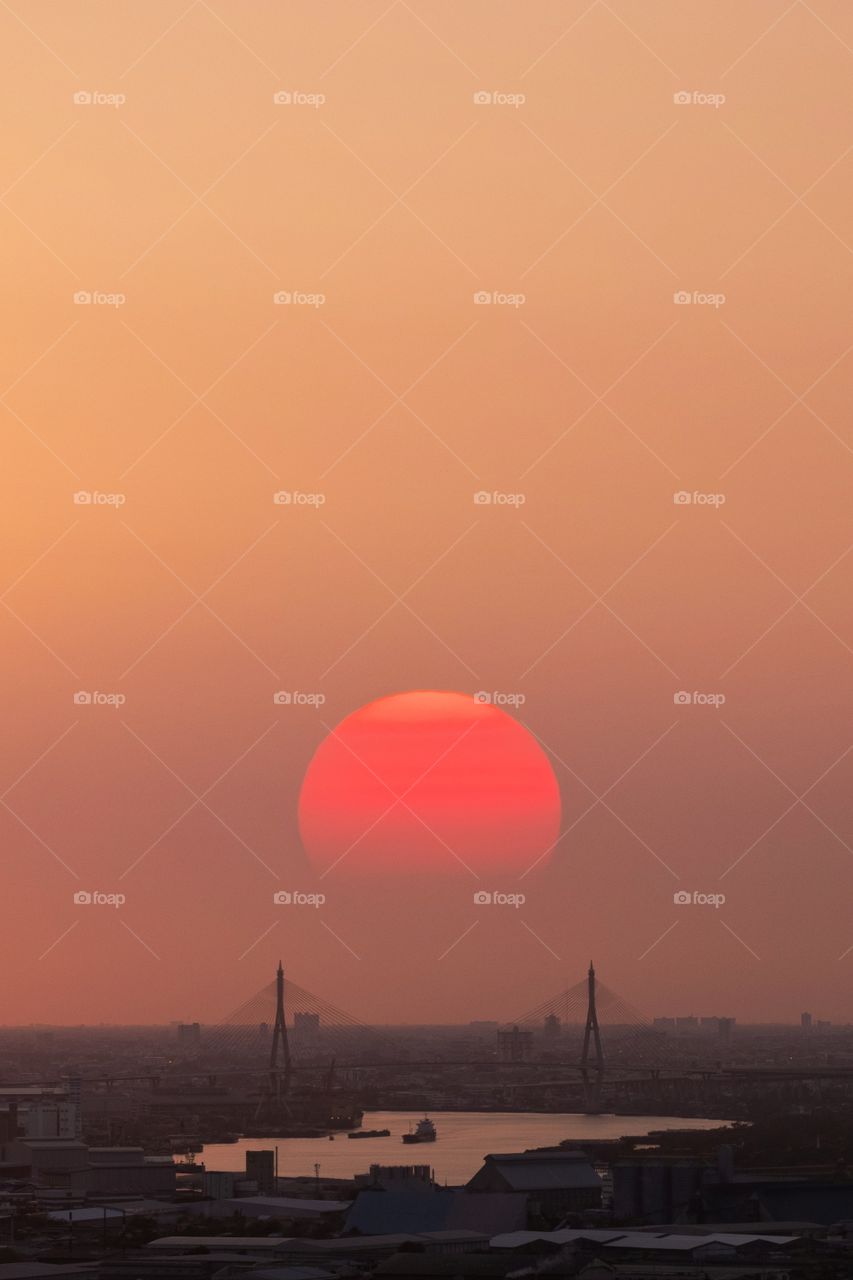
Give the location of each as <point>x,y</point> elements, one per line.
<point>579,1139</point>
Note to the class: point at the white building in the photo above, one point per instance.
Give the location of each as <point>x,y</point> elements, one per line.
<point>50,1119</point>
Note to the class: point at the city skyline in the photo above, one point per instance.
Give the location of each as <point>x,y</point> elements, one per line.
<point>651,1019</point>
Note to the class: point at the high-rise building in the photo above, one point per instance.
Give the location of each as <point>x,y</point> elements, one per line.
<point>806,1021</point>
<point>49,1118</point>
<point>260,1168</point>
<point>515,1045</point>
<point>189,1034</point>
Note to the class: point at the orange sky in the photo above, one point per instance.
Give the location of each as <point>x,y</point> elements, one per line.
<point>581,198</point>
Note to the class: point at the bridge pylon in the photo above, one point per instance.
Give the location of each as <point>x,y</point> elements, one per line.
<point>592,1057</point>
<point>273,1103</point>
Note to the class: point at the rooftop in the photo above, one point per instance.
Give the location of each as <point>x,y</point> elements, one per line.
<point>539,1157</point>
<point>646,1240</point>
<point>41,1270</point>
<point>222,1244</point>
<point>284,1204</point>
<point>541,1170</point>
<point>94,1213</point>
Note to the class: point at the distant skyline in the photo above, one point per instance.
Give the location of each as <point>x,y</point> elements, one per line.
<point>349,350</point>
<point>792,1022</point>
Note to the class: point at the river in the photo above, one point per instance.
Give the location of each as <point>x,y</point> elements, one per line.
<point>464,1137</point>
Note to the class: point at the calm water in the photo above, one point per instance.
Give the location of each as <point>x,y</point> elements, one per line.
<point>464,1137</point>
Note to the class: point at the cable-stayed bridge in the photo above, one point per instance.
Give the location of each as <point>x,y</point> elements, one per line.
<point>287,1057</point>
<point>288,1060</point>
<point>288,1053</point>
<point>564,1051</point>
<point>284,1027</point>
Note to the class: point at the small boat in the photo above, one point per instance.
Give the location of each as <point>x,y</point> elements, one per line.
<point>424,1132</point>
<point>370,1133</point>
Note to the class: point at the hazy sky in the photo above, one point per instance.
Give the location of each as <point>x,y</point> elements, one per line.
<point>626,152</point>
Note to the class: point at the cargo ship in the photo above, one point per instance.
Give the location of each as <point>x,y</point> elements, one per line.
<point>370,1133</point>
<point>424,1132</point>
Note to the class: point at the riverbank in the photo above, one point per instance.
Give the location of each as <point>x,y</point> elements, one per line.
<point>463,1139</point>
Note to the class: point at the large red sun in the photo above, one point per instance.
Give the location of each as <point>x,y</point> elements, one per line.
<point>429,781</point>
